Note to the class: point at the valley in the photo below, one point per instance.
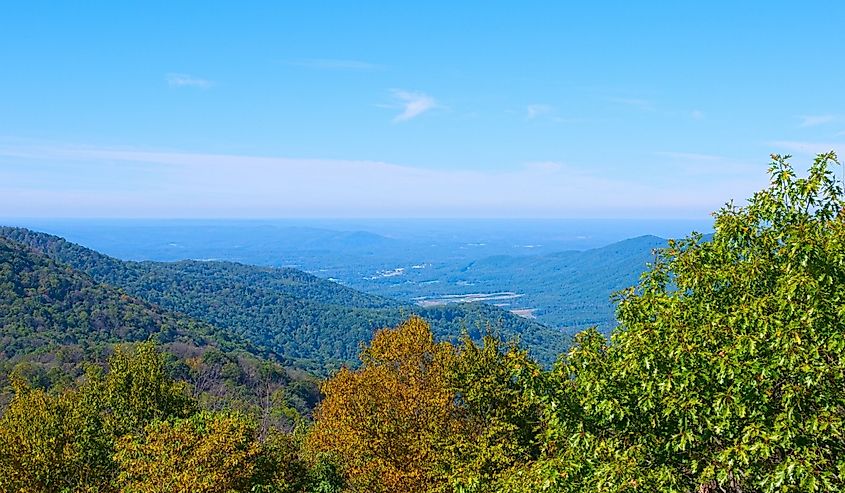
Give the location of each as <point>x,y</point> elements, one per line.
<point>311,323</point>
<point>563,271</point>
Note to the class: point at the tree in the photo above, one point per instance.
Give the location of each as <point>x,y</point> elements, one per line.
<point>205,453</point>
<point>727,371</point>
<point>382,422</point>
<point>498,416</point>
<point>138,389</point>
<point>63,440</point>
<point>53,442</point>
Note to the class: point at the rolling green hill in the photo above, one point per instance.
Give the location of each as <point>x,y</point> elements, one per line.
<point>54,320</point>
<point>315,323</point>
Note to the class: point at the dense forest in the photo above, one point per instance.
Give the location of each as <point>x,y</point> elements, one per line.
<point>55,321</point>
<point>314,323</point>
<point>726,373</point>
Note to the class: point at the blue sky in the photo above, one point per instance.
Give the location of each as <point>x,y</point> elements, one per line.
<point>417,109</point>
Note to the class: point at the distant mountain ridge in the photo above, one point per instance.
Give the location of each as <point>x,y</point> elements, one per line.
<point>563,273</point>
<point>570,290</point>
<point>217,242</point>
<point>314,322</point>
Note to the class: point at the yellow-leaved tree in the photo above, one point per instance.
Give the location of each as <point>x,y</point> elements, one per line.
<point>53,442</point>
<point>205,453</point>
<point>382,422</point>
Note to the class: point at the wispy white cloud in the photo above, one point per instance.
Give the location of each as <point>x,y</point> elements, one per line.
<point>412,104</point>
<point>533,111</point>
<point>639,103</point>
<point>333,64</point>
<point>815,120</point>
<point>185,80</point>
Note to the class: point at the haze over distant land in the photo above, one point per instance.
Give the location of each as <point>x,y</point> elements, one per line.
<point>559,272</point>
<point>469,110</point>
<point>115,182</point>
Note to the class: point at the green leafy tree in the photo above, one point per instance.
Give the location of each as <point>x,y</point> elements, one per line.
<point>727,372</point>
<point>280,466</point>
<point>324,476</point>
<point>498,416</point>
<point>138,390</point>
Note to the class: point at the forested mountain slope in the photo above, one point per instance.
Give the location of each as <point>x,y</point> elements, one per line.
<point>55,319</point>
<point>317,323</point>
<point>573,288</point>
<point>44,304</point>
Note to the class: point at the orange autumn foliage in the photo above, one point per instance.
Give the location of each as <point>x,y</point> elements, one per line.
<point>383,421</point>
